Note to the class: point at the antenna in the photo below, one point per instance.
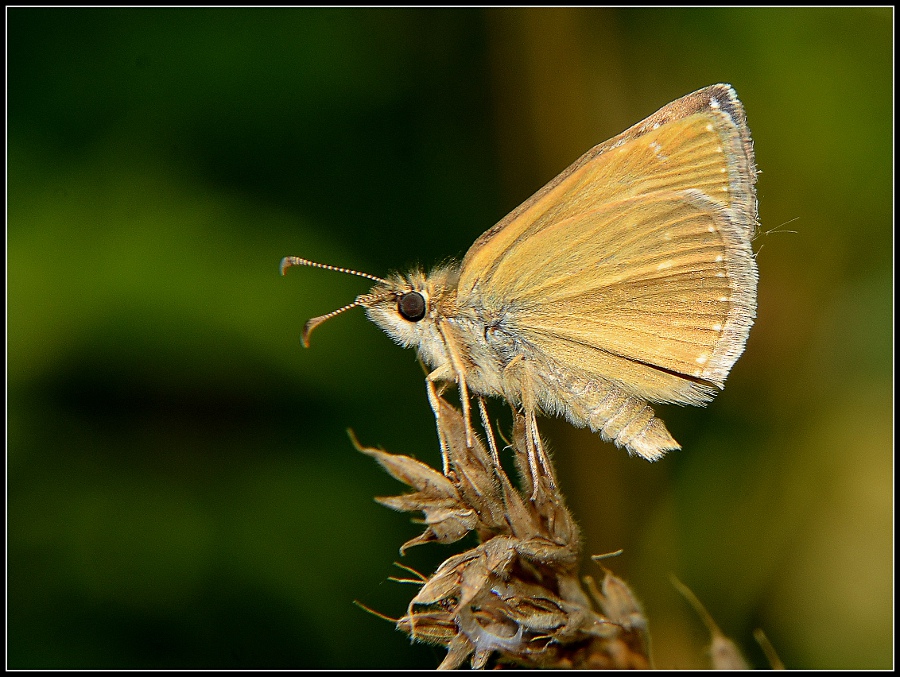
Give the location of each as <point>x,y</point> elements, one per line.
<point>316,321</point>
<point>289,261</point>
<point>362,300</point>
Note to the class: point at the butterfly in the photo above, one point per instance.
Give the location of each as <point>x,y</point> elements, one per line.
<point>627,280</point>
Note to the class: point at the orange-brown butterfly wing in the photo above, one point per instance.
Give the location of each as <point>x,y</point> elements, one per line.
<point>699,141</point>
<point>635,263</point>
<point>654,293</point>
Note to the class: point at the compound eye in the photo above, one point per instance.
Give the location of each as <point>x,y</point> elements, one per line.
<point>412,306</point>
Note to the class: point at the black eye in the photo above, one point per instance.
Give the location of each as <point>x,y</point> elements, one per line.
<point>412,306</point>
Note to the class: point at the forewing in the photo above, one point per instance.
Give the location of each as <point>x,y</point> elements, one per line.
<point>698,142</point>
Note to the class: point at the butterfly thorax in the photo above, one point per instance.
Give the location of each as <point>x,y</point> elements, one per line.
<point>475,340</point>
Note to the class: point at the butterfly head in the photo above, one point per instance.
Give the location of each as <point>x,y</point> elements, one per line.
<point>407,307</point>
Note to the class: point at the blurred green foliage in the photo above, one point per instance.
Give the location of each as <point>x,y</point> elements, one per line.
<point>181,492</point>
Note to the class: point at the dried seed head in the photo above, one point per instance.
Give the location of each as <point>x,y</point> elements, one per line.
<point>516,596</point>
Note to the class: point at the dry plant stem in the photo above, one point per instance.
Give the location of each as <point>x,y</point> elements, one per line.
<point>768,649</point>
<point>516,597</point>
<point>723,653</point>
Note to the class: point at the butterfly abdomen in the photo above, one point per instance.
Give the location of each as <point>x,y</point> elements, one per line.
<point>623,419</point>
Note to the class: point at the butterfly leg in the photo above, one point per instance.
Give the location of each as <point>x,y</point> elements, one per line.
<point>532,456</point>
<point>518,384</point>
<point>442,373</point>
<point>488,431</point>
<point>538,463</point>
<point>546,467</point>
<point>459,375</point>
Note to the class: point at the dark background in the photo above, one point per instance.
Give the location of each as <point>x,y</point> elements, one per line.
<point>181,490</point>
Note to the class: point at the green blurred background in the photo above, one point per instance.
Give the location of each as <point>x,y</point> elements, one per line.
<point>181,489</point>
